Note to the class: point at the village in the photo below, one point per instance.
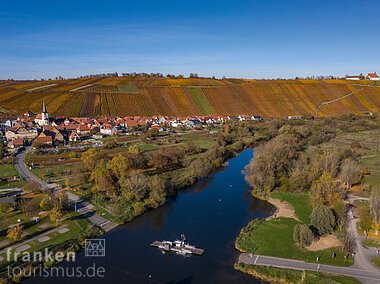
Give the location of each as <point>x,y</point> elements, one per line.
<point>42,131</point>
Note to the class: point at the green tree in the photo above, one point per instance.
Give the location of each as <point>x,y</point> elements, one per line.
<point>339,209</point>
<point>323,220</point>
<point>302,235</point>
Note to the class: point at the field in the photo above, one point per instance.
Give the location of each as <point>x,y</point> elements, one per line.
<point>278,275</point>
<point>300,203</point>
<point>373,163</point>
<point>275,238</point>
<point>8,171</point>
<point>181,97</point>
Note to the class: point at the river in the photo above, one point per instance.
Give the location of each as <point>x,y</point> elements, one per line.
<point>210,213</point>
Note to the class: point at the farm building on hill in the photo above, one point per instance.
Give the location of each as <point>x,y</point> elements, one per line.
<point>373,77</point>
<point>353,78</point>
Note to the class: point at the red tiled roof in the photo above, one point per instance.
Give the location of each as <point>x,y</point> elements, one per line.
<point>43,140</point>
<point>373,75</point>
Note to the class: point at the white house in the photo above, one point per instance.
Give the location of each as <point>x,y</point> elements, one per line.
<point>107,129</point>
<point>353,78</point>
<point>373,77</point>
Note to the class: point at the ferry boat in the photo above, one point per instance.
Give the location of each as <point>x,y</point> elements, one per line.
<point>180,247</point>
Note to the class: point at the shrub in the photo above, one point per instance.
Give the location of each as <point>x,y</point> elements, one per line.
<point>303,235</point>
<point>322,220</point>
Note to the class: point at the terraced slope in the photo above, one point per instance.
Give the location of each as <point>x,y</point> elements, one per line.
<point>181,97</point>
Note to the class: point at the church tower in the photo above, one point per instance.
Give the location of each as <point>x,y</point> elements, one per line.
<point>44,114</point>
<point>43,117</point>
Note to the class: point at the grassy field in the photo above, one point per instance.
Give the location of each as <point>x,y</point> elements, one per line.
<point>372,162</point>
<point>376,261</point>
<point>300,203</point>
<point>278,275</point>
<point>8,171</point>
<point>275,238</point>
<point>182,97</point>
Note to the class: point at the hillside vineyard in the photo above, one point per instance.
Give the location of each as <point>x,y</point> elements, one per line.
<point>128,96</point>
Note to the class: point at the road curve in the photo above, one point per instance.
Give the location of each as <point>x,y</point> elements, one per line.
<point>364,276</point>
<point>83,207</point>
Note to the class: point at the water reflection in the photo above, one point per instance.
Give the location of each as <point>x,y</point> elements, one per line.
<point>211,214</point>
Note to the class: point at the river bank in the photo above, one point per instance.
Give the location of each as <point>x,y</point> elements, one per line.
<point>201,212</point>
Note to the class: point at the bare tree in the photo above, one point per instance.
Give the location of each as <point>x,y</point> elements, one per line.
<point>349,242</point>
<point>350,172</point>
<point>374,203</point>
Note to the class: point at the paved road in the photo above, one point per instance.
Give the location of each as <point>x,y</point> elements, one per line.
<point>83,207</point>
<point>363,269</point>
<point>365,276</point>
<point>363,255</point>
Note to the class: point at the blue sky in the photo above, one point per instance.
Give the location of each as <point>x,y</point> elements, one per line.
<point>254,39</point>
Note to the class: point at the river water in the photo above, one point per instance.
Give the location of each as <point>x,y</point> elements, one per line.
<point>210,213</point>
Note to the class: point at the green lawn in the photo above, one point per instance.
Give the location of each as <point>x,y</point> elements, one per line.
<point>13,184</point>
<point>7,171</point>
<point>371,243</point>
<point>275,238</point>
<point>279,275</point>
<point>300,203</point>
<point>373,163</point>
<point>376,261</point>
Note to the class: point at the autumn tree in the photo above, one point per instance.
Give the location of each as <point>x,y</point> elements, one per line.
<point>351,172</point>
<point>167,158</point>
<point>135,187</point>
<point>28,207</point>
<point>104,182</point>
<point>15,233</point>
<point>55,213</point>
<point>325,190</point>
<point>302,235</point>
<point>322,220</point>
<point>4,209</point>
<point>46,202</point>
<point>157,194</point>
<point>120,166</point>
<point>91,158</point>
<point>32,186</point>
